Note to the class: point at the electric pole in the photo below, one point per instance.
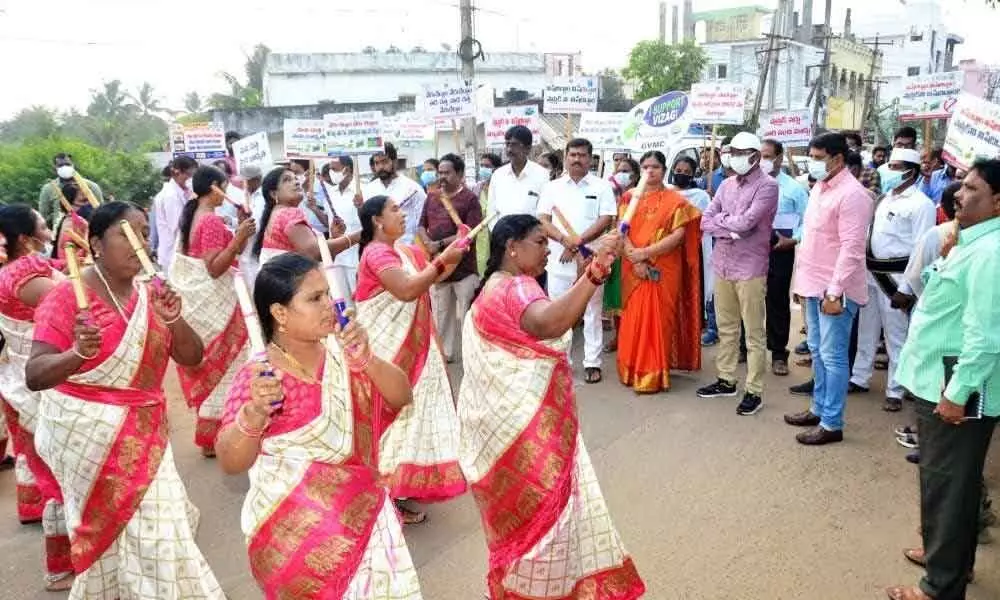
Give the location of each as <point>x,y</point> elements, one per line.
<point>769,66</point>
<point>824,81</point>
<point>467,54</point>
<point>870,114</point>
<point>663,22</point>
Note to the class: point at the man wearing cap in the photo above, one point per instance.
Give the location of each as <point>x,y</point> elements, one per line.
<point>902,217</point>
<point>345,201</point>
<point>740,218</point>
<point>253,177</point>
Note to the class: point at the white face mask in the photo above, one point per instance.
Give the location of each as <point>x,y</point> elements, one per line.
<point>623,179</point>
<point>726,160</point>
<point>189,185</point>
<point>740,164</point>
<point>817,169</point>
<point>336,177</point>
<point>767,165</point>
<point>66,172</point>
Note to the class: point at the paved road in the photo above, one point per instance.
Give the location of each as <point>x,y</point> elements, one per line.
<point>711,505</point>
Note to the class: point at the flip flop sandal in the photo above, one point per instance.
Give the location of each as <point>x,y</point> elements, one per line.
<point>410,517</point>
<point>916,556</point>
<point>892,405</point>
<point>593,375</point>
<point>909,592</point>
<point>62,584</point>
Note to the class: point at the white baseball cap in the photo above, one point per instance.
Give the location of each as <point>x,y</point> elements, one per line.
<point>905,155</point>
<point>745,140</point>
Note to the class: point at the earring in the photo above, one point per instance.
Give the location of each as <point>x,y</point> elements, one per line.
<point>513,253</point>
<point>380,227</point>
<point>281,328</point>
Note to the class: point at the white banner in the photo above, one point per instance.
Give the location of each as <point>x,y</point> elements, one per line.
<point>199,141</point>
<point>571,95</point>
<point>791,127</point>
<point>410,128</point>
<point>930,96</point>
<point>253,150</point>
<point>718,103</point>
<point>449,102</point>
<point>656,123</point>
<point>484,102</point>
<point>353,132</point>
<point>305,138</point>
<point>502,119</point>
<point>973,132</point>
<point>603,129</point>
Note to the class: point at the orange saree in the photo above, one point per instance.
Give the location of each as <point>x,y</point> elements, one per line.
<point>661,320</point>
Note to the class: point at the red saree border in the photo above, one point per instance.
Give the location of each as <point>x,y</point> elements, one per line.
<point>427,483</point>
<point>30,498</point>
<point>198,382</point>
<point>522,496</point>
<point>58,555</point>
<point>127,472</point>
<point>616,583</point>
<point>310,547</point>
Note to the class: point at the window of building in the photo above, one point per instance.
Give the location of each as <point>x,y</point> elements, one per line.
<point>911,71</point>
<point>721,71</point>
<point>916,37</point>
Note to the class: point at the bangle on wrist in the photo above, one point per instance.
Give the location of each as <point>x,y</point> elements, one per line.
<point>77,352</point>
<point>249,430</point>
<point>175,319</point>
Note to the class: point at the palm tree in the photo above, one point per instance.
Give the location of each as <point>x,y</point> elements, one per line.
<point>146,101</point>
<point>110,102</point>
<point>241,95</point>
<point>192,102</point>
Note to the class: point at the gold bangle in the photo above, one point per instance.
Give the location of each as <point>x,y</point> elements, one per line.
<point>82,355</point>
<point>174,320</point>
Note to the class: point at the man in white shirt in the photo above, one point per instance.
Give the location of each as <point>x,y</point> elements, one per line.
<point>516,187</point>
<point>252,177</point>
<point>168,206</point>
<point>227,210</point>
<point>902,217</point>
<point>406,192</point>
<point>587,203</point>
<point>345,203</point>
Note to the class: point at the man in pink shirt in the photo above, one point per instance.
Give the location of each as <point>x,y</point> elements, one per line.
<point>830,277</point>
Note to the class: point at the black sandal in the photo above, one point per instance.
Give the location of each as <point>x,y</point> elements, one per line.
<point>892,405</point>
<point>593,375</point>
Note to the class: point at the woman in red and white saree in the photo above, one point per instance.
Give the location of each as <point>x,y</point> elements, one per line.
<point>419,451</point>
<point>102,424</point>
<point>202,273</point>
<point>24,282</point>
<point>548,530</point>
<point>283,226</point>
<point>318,520</point>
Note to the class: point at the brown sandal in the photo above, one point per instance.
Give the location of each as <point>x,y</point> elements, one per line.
<point>909,592</point>
<point>62,584</point>
<point>593,375</point>
<point>408,516</point>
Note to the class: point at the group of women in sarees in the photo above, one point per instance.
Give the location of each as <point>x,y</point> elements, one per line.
<point>337,420</point>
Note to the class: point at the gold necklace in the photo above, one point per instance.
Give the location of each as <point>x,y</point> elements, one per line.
<point>111,294</point>
<point>303,372</point>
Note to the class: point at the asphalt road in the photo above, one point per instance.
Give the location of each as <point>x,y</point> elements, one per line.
<point>711,505</point>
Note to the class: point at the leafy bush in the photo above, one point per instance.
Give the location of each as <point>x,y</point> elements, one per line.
<point>26,167</point>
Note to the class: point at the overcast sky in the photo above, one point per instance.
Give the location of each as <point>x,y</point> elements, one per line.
<point>55,51</point>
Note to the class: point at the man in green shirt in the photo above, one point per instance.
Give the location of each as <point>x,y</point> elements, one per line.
<point>48,199</point>
<point>951,363</point>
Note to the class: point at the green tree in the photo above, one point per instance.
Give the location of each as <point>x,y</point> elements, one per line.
<point>249,95</point>
<point>31,123</point>
<point>25,167</point>
<point>612,98</point>
<point>193,102</point>
<point>145,100</point>
<point>656,68</point>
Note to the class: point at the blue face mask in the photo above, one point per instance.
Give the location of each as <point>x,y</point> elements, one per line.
<point>890,179</point>
<point>428,177</point>
<point>485,173</point>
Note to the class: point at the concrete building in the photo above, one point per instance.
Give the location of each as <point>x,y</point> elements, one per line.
<point>734,42</point>
<point>303,79</point>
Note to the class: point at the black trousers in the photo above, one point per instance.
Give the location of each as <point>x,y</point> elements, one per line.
<point>777,303</point>
<point>951,473</point>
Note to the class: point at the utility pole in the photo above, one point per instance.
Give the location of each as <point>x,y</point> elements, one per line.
<point>663,22</point>
<point>824,83</point>
<point>777,26</point>
<point>468,58</point>
<point>870,114</point>
<point>768,66</point>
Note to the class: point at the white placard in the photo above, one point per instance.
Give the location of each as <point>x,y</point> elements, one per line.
<point>449,102</point>
<point>353,132</point>
<point>503,118</point>
<point>408,128</point>
<point>718,103</point>
<point>790,127</point>
<point>930,96</point>
<point>200,141</point>
<point>305,138</point>
<point>603,129</point>
<point>253,150</point>
<point>484,102</point>
<point>656,123</point>
<point>973,132</point>
<point>571,95</point>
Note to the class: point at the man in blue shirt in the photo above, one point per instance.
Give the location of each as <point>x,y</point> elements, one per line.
<point>786,233</point>
<point>933,175</point>
<point>722,169</point>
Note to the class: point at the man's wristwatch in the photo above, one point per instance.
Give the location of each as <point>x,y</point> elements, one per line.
<point>832,298</point>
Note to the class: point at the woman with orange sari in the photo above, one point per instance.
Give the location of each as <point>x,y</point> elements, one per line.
<point>318,519</point>
<point>102,426</point>
<point>419,451</point>
<point>661,323</point>
<point>24,282</point>
<point>548,529</point>
<point>204,266</point>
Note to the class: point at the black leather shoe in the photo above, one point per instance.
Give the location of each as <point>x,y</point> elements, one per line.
<point>802,419</point>
<point>819,437</point>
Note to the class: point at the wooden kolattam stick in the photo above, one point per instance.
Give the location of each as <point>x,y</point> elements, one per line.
<point>584,251</point>
<point>133,240</point>
<point>85,189</point>
<point>336,294</point>
<point>74,276</point>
